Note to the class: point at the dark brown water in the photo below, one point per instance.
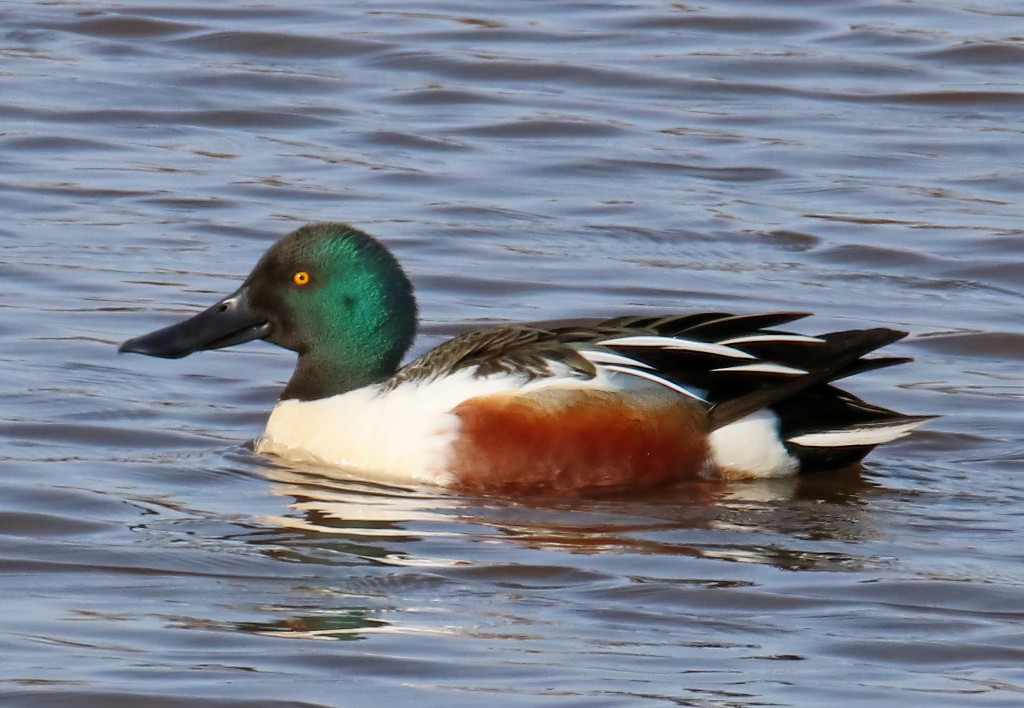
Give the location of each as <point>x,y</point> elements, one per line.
<point>526,160</point>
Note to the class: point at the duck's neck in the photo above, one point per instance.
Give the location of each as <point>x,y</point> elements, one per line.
<point>357,344</point>
<point>321,375</point>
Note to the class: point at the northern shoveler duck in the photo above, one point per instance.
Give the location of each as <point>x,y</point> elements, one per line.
<point>591,406</point>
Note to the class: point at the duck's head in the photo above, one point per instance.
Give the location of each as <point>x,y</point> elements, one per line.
<point>328,291</point>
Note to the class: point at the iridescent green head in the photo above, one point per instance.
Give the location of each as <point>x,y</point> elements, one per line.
<point>327,291</point>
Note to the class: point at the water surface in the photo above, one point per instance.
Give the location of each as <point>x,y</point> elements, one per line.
<point>526,161</point>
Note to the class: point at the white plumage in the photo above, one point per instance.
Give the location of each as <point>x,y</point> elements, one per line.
<point>860,435</point>
<point>751,447</point>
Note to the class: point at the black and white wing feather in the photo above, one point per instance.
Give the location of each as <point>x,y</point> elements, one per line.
<point>734,365</point>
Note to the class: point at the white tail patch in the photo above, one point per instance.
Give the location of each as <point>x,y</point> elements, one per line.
<point>673,343</point>
<point>864,435</point>
<point>785,338</point>
<point>647,375</point>
<point>751,448</point>
<point>764,368</point>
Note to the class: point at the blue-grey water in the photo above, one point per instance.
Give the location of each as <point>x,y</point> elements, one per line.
<point>526,160</point>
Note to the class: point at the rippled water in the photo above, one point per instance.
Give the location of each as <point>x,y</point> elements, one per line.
<point>526,160</point>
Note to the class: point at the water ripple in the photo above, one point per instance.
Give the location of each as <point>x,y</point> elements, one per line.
<point>526,161</point>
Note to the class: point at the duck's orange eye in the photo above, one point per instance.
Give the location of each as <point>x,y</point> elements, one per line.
<point>300,278</point>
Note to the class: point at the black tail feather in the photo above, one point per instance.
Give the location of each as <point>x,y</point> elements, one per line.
<point>823,363</point>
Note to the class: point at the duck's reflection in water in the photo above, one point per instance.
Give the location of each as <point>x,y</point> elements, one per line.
<point>732,521</point>
<point>403,560</point>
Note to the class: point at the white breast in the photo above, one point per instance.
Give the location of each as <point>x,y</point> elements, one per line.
<point>399,436</point>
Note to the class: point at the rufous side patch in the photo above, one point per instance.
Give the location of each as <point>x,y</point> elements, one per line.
<point>577,441</point>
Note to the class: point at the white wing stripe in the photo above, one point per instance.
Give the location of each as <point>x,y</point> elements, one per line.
<point>602,357</point>
<point>656,379</point>
<point>754,338</point>
<point>763,368</point>
<point>673,343</point>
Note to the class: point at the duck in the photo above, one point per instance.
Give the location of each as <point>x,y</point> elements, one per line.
<point>568,408</point>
